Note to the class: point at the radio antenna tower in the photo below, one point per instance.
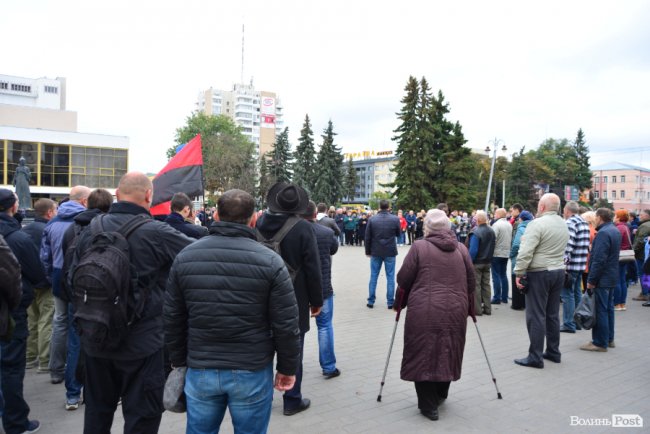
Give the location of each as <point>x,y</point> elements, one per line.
<point>241,78</point>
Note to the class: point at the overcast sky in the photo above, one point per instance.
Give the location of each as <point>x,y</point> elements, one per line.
<point>518,71</point>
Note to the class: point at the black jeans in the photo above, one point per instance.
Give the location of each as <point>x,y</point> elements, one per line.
<point>293,397</point>
<point>138,382</point>
<point>14,353</point>
<point>430,393</point>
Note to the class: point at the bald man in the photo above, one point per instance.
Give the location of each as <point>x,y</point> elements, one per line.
<point>541,259</point>
<point>135,371</point>
<point>64,345</point>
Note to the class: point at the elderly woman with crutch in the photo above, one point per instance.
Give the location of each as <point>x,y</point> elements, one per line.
<point>436,284</point>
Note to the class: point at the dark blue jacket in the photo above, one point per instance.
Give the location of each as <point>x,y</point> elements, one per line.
<point>381,233</point>
<point>328,245</point>
<point>603,260</point>
<point>177,221</point>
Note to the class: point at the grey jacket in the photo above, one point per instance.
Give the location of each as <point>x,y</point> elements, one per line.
<point>542,247</point>
<point>503,232</point>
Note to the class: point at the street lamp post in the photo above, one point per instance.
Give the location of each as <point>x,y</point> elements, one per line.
<point>496,142</point>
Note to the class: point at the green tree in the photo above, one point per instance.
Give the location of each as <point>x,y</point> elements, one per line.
<point>328,187</point>
<point>377,196</point>
<point>603,203</point>
<point>266,181</point>
<point>304,166</point>
<point>583,171</point>
<point>413,152</point>
<point>350,184</point>
<point>227,154</point>
<point>279,162</point>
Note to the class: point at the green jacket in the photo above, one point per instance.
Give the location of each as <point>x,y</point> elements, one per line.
<point>543,244</point>
<point>639,240</point>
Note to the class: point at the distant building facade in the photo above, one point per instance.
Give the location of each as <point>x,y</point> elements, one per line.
<point>624,185</point>
<point>374,169</point>
<point>35,124</point>
<point>258,113</point>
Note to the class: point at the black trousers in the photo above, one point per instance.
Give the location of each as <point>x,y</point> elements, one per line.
<point>518,299</point>
<point>349,235</point>
<point>543,313</point>
<point>430,393</point>
<point>16,410</point>
<point>292,398</point>
<point>139,383</point>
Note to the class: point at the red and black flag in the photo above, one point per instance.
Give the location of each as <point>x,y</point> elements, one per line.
<point>183,174</point>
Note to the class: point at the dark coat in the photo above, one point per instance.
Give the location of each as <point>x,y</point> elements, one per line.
<point>10,285</point>
<point>35,230</point>
<point>603,259</point>
<point>436,284</point>
<point>381,232</point>
<point>299,250</point>
<point>328,245</point>
<point>329,222</point>
<point>153,247</point>
<point>177,221</point>
<point>230,304</point>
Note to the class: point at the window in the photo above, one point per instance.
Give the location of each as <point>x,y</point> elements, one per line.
<point>596,194</point>
<point>636,179</point>
<point>613,194</point>
<point>636,194</point>
<point>622,178</point>
<point>605,194</point>
<point>605,179</point>
<point>622,196</point>
<point>614,179</point>
<point>98,167</point>
<point>55,165</point>
<point>21,88</point>
<point>51,89</point>
<point>597,180</point>
<point>4,85</point>
<point>15,150</point>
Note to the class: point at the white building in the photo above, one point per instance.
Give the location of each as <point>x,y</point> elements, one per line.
<point>35,125</point>
<point>258,113</point>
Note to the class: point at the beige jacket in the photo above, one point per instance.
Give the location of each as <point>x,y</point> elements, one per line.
<point>543,244</point>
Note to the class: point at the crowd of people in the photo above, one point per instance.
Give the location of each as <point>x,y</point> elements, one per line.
<point>108,300</point>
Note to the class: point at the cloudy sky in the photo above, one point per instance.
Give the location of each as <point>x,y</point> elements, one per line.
<point>509,69</point>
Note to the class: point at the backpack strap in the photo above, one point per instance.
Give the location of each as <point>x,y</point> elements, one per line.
<point>127,228</point>
<point>284,230</point>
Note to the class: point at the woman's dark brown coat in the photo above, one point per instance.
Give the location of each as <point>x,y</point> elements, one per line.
<point>437,285</point>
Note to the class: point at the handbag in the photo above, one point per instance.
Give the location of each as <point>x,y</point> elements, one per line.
<point>585,314</point>
<point>174,394</point>
<point>626,256</point>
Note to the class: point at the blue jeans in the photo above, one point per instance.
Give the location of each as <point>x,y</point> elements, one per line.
<point>247,394</point>
<point>620,293</point>
<point>375,267</point>
<point>603,332</point>
<point>72,386</point>
<point>570,299</point>
<point>326,355</point>
<point>500,279</point>
<point>342,237</point>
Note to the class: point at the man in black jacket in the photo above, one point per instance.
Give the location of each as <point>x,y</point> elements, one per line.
<point>229,308</point>
<point>16,411</point>
<point>482,241</point>
<point>181,207</point>
<point>300,252</point>
<point>134,372</point>
<point>41,311</point>
<point>381,247</point>
<point>328,245</point>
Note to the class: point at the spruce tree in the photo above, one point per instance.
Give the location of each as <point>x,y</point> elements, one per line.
<point>455,172</point>
<point>304,166</point>
<point>266,181</point>
<point>350,181</point>
<point>328,186</point>
<point>583,173</point>
<point>413,152</point>
<point>280,159</point>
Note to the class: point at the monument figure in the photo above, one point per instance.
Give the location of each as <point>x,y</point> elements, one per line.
<point>21,182</point>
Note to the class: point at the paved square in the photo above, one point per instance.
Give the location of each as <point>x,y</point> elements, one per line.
<point>584,385</point>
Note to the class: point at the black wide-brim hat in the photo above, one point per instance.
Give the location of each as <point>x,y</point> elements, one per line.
<point>286,198</point>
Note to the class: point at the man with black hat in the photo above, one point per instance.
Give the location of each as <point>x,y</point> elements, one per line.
<point>16,411</point>
<point>298,249</point>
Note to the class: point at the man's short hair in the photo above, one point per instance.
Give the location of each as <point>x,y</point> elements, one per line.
<point>322,208</point>
<point>443,207</point>
<point>646,212</point>
<point>100,199</point>
<point>180,201</point>
<point>236,206</point>
<point>572,206</point>
<point>481,216</point>
<point>605,214</point>
<point>517,206</point>
<point>42,206</point>
<point>384,204</point>
<point>311,210</point>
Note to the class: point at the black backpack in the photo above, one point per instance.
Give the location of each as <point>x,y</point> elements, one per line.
<point>104,289</point>
<point>274,242</point>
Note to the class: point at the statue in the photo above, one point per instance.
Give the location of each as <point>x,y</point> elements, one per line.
<point>21,182</point>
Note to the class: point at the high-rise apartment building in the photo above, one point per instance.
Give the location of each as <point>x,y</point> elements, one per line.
<point>258,113</point>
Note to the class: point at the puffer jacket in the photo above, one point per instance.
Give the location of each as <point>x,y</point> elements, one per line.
<point>328,245</point>
<point>381,231</point>
<point>603,259</point>
<point>230,304</point>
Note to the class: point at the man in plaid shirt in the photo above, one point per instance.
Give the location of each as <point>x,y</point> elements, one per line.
<point>575,258</point>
